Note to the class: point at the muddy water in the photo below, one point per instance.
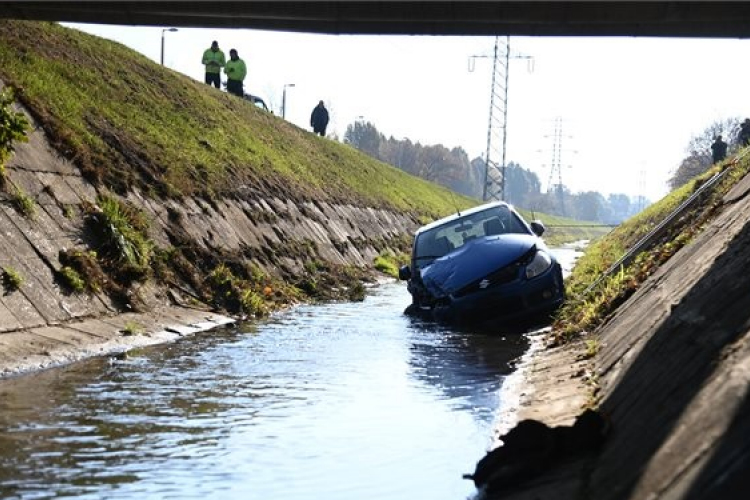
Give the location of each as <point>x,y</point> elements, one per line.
<point>338,401</point>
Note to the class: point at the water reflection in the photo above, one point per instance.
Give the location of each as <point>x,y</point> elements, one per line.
<point>467,367</point>
<point>338,401</point>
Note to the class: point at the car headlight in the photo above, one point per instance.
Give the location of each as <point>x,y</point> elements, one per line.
<point>539,264</point>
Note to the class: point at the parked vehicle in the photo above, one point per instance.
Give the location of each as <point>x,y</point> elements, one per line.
<point>483,264</point>
<point>257,101</point>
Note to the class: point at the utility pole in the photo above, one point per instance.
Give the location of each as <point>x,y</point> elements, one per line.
<point>555,184</point>
<point>497,129</point>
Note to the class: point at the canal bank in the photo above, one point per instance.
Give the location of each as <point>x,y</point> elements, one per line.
<point>669,373</point>
<point>44,323</point>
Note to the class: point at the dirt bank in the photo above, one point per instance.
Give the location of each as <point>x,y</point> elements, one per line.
<point>669,371</point>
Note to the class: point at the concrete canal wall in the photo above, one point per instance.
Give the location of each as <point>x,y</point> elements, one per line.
<point>255,226</point>
<point>670,372</point>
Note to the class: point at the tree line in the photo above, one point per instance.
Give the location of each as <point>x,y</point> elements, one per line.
<point>699,158</point>
<point>453,169</point>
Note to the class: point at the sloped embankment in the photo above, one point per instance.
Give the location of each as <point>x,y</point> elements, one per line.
<point>140,189</point>
<point>670,369</point>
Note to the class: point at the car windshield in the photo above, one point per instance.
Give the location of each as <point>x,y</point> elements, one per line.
<point>441,240</point>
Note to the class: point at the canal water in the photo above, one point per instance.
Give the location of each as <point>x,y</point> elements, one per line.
<point>335,401</point>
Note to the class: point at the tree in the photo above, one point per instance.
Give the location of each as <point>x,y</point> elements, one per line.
<point>365,137</point>
<point>695,164</point>
<point>619,208</point>
<point>699,157</point>
<point>591,206</point>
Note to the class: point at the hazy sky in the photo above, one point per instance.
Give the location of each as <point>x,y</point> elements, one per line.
<point>629,106</point>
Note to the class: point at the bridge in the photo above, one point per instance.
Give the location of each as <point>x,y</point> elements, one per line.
<point>530,18</point>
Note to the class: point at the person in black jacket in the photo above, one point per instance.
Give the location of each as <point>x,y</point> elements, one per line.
<point>319,119</point>
<point>744,135</point>
<point>718,150</point>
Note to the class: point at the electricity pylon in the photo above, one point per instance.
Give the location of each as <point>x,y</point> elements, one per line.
<point>555,170</point>
<point>497,130</point>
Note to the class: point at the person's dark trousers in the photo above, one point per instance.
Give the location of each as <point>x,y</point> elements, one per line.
<point>320,131</point>
<point>235,87</point>
<point>213,79</point>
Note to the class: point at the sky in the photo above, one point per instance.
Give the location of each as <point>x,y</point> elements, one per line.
<point>628,106</point>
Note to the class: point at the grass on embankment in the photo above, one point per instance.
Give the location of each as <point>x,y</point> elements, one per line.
<point>128,122</point>
<point>583,313</point>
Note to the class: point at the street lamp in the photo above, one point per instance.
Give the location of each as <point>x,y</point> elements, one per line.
<point>283,99</point>
<point>172,30</point>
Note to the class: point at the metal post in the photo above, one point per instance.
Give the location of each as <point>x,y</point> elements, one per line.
<point>172,30</point>
<point>283,99</point>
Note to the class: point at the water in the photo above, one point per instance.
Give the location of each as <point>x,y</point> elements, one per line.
<point>336,401</point>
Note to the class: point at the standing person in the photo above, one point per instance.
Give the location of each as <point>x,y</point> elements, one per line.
<point>213,59</point>
<point>236,72</point>
<point>744,136</point>
<point>718,150</point>
<point>319,119</point>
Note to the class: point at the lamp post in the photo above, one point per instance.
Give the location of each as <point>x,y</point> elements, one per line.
<point>172,30</point>
<point>283,99</point>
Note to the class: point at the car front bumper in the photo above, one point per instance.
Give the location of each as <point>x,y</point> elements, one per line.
<point>521,301</point>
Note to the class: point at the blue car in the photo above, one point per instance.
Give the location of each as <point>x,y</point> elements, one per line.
<point>483,264</point>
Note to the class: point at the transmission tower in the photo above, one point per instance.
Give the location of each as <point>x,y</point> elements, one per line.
<point>497,130</point>
<point>555,171</point>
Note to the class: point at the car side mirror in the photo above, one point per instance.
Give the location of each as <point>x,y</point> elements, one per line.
<point>537,227</point>
<point>404,273</point>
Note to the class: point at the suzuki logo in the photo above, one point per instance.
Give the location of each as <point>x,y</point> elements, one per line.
<point>484,283</point>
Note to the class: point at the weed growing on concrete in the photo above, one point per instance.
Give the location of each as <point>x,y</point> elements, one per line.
<point>236,294</point>
<point>70,278</point>
<point>592,347</point>
<point>12,279</point>
<point>69,212</point>
<point>23,203</point>
<point>85,266</point>
<point>253,304</point>
<point>132,328</point>
<point>120,231</point>
<point>13,126</point>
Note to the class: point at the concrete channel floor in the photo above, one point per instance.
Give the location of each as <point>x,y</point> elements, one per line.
<point>28,350</point>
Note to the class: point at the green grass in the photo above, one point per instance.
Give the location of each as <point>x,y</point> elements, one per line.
<point>389,263</point>
<point>583,312</point>
<point>129,122</point>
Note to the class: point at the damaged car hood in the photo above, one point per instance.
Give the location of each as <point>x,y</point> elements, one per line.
<point>473,261</point>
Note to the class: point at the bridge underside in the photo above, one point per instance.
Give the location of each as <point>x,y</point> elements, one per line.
<point>556,18</point>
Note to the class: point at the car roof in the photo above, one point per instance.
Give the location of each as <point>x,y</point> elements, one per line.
<point>459,215</point>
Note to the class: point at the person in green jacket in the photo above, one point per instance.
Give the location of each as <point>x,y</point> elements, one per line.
<point>236,72</point>
<point>213,59</point>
